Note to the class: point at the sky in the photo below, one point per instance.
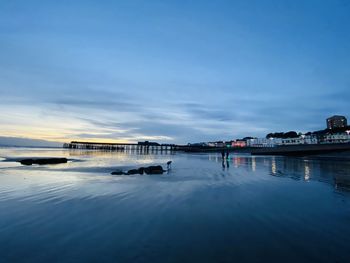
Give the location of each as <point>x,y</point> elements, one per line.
<point>171,71</point>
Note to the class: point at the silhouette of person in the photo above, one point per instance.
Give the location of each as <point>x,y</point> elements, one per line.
<point>223,154</point>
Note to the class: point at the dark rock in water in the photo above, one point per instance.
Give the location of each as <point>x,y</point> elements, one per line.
<point>43,161</point>
<point>133,171</point>
<point>148,170</point>
<point>27,161</point>
<point>157,169</point>
<point>136,171</point>
<point>117,172</point>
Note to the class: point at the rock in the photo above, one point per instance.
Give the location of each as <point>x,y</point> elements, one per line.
<point>43,161</point>
<point>136,171</point>
<point>133,171</point>
<point>27,161</point>
<point>157,169</point>
<point>117,172</point>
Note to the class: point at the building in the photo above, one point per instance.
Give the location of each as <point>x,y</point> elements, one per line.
<point>264,142</point>
<point>336,121</point>
<point>302,139</point>
<point>198,144</point>
<point>337,138</point>
<point>292,141</point>
<point>310,139</point>
<point>239,143</point>
<point>217,144</point>
<point>273,142</point>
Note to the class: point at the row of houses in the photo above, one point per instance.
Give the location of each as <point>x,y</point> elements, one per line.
<point>272,142</point>
<point>302,139</point>
<point>337,132</point>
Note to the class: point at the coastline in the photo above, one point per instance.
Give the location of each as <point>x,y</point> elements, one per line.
<point>339,149</point>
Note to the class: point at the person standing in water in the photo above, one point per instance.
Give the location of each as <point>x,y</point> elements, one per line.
<point>223,154</point>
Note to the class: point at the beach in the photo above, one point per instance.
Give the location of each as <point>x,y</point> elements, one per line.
<point>281,209</point>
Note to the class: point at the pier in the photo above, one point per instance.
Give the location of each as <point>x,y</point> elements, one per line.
<point>140,146</point>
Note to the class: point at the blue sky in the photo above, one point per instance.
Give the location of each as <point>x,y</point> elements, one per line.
<point>171,71</point>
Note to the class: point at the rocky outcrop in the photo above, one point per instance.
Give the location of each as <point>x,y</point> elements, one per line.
<point>43,161</point>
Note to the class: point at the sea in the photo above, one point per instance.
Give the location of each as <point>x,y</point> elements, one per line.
<point>202,209</point>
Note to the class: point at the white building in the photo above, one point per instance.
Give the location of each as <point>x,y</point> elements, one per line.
<point>310,139</point>
<point>272,142</point>
<point>293,141</point>
<point>263,142</point>
<point>336,138</point>
<point>216,144</point>
<point>302,139</point>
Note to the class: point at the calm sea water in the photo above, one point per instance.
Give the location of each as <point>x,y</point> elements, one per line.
<point>249,209</point>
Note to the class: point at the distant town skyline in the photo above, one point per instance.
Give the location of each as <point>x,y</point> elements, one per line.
<point>173,72</point>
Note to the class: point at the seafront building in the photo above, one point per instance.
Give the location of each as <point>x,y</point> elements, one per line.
<point>310,139</point>
<point>322,137</point>
<point>216,144</point>
<point>272,142</point>
<point>337,132</point>
<point>313,138</point>
<point>239,143</point>
<point>264,142</point>
<point>336,138</point>
<point>336,121</point>
<point>302,139</point>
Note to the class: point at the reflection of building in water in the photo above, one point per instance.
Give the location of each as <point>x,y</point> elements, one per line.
<point>273,166</point>
<point>214,157</point>
<point>342,182</point>
<point>248,162</point>
<point>306,171</point>
<point>336,171</point>
<point>253,164</point>
<point>237,161</point>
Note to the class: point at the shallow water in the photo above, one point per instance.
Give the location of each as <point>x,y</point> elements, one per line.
<point>249,209</point>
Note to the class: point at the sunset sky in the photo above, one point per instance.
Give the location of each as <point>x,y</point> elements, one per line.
<point>171,71</point>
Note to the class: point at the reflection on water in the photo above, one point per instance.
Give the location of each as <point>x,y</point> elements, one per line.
<point>273,166</point>
<point>307,171</point>
<point>253,163</point>
<point>334,172</point>
<point>243,209</point>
